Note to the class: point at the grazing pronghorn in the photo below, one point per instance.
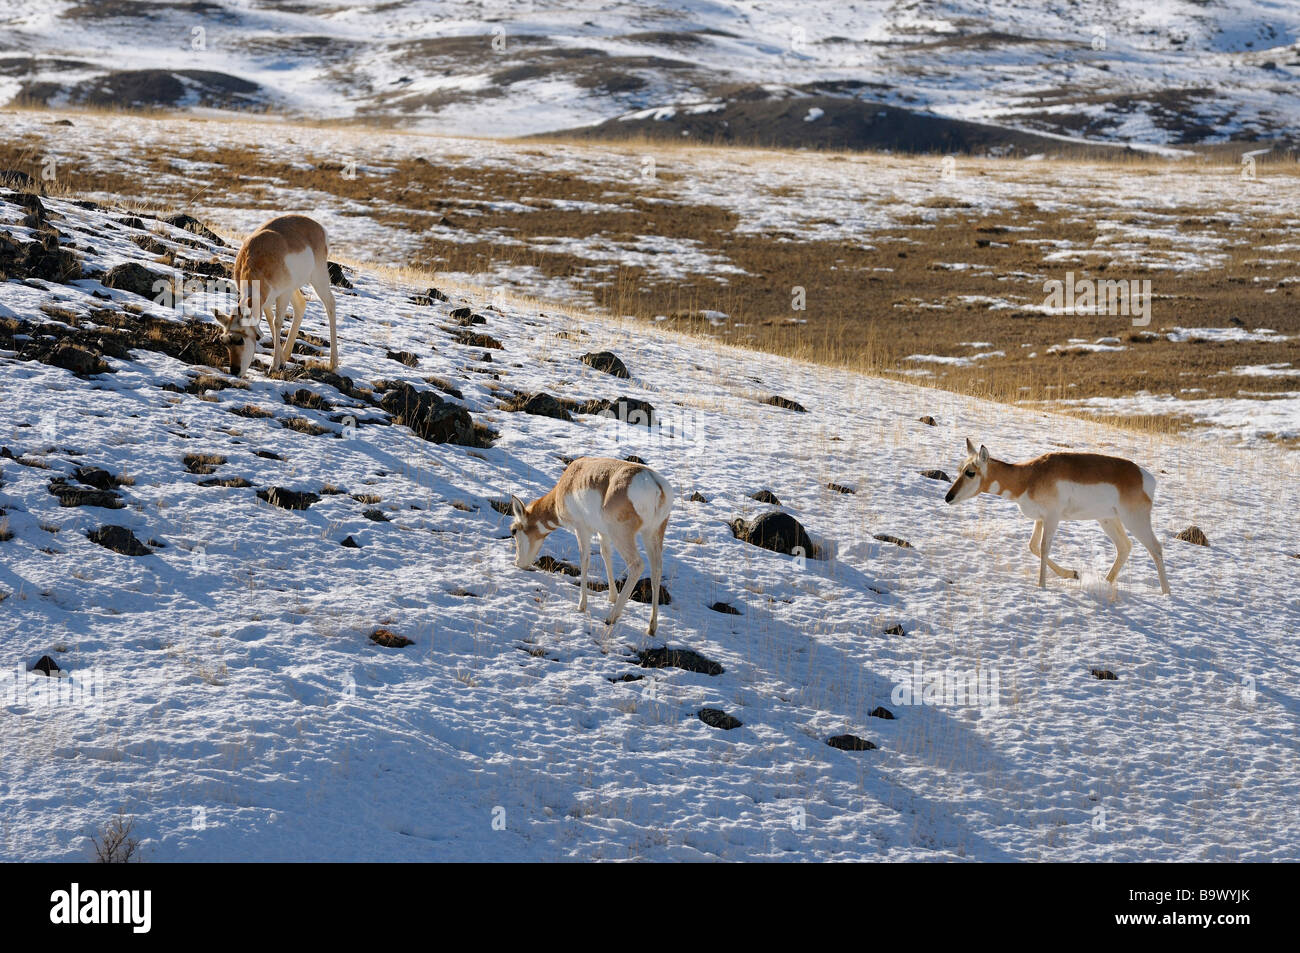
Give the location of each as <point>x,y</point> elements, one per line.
<point>272,265</point>
<point>613,498</point>
<point>1117,493</point>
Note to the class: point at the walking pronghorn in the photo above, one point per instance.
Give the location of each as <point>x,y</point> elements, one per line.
<point>272,266</point>
<point>613,498</point>
<point>1117,493</point>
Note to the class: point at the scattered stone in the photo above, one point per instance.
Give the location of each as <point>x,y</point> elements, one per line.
<point>238,483</point>
<point>626,678</point>
<point>775,531</point>
<point>403,357</point>
<point>389,639</point>
<point>99,478</point>
<point>351,543</point>
<point>119,539</point>
<point>79,496</point>
<point>765,496</point>
<point>717,718</point>
<point>629,410</point>
<point>429,297</point>
<point>475,339</point>
<point>850,743</point>
<point>68,356</point>
<point>725,608</point>
<point>287,499</point>
<point>306,399</point>
<point>46,666</point>
<point>606,362</point>
<point>16,179</point>
<point>928,421</point>
<point>896,540</point>
<point>136,279</point>
<point>642,591</point>
<point>337,277</point>
<point>1105,674</point>
<point>44,258</point>
<point>1194,535</point>
<point>936,475</point>
<point>787,404</point>
<point>678,658</point>
<point>433,418</point>
<point>191,224</point>
<point>895,629</point>
<point>881,711</point>
<point>376,516</point>
<point>540,405</point>
<point>697,497</point>
<point>840,488</point>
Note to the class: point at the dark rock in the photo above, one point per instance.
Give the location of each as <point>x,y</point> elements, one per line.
<point>191,224</point>
<point>776,531</point>
<point>765,496</point>
<point>16,179</point>
<point>895,629</point>
<point>78,360</point>
<point>337,276</point>
<point>96,477</point>
<point>633,458</point>
<point>882,712</point>
<point>626,678</point>
<point>1105,674</point>
<point>403,357</point>
<point>540,405</point>
<point>725,607</point>
<point>1194,535</point>
<point>44,259</point>
<point>461,314</point>
<point>678,658</point>
<point>307,400</point>
<point>238,483</point>
<point>45,664</point>
<point>136,279</point>
<point>475,339</point>
<point>717,718</point>
<point>936,475</point>
<point>787,404</point>
<point>119,539</point>
<point>697,497</point>
<point>79,496</point>
<point>607,362</point>
<point>431,417</point>
<point>376,516</point>
<point>850,743</point>
<point>287,499</point>
<point>351,543</point>
<point>840,488</point>
<point>928,421</point>
<point>203,463</point>
<point>643,591</point>
<point>429,297</point>
<point>549,563</point>
<point>389,640</point>
<point>629,410</point>
<point>896,540</point>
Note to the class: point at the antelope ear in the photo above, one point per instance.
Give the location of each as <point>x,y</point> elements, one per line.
<point>984,455</point>
<point>970,447</point>
<point>517,506</point>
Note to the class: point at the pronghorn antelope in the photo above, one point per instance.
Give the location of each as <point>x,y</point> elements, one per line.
<point>613,498</point>
<point>1117,493</point>
<point>272,266</point>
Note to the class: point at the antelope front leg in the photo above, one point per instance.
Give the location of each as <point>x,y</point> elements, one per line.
<point>1049,530</point>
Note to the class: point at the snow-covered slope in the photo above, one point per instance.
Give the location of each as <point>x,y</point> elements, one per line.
<point>230,699</point>
<point>1119,70</point>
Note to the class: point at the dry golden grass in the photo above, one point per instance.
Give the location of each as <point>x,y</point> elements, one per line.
<point>867,308</point>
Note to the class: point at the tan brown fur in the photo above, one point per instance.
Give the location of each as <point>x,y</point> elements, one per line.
<point>615,499</point>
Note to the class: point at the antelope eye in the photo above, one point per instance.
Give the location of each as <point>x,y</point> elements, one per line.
<point>970,473</point>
